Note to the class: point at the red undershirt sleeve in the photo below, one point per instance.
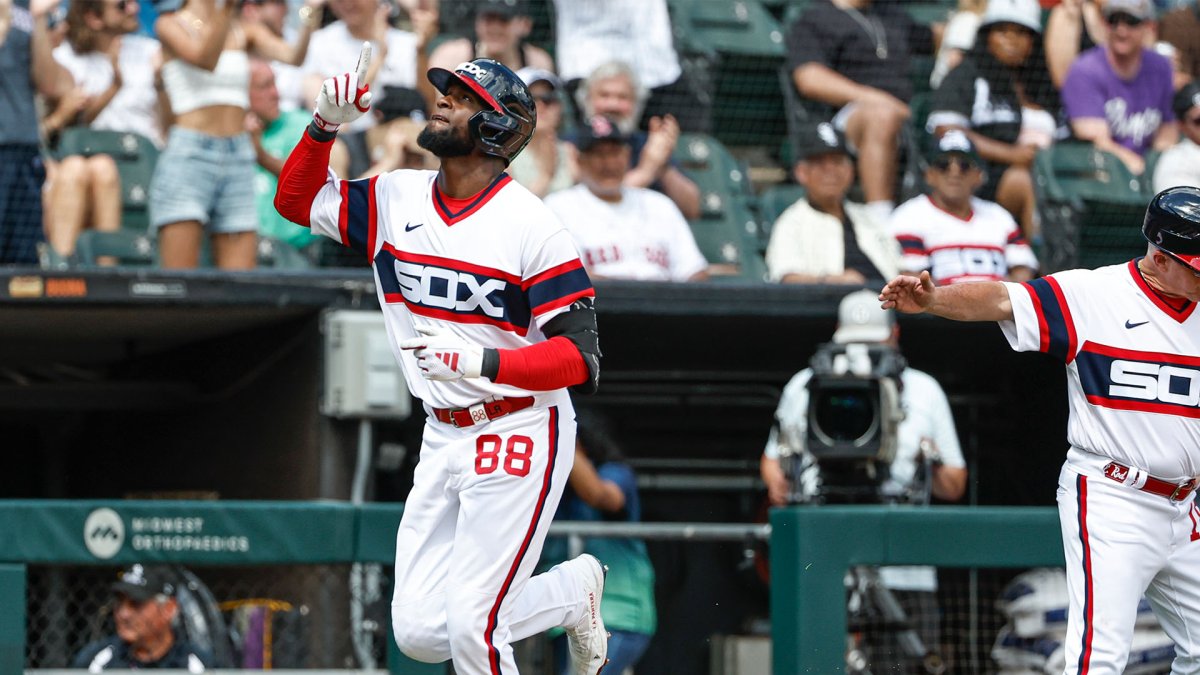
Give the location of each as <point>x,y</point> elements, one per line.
<point>545,366</point>
<point>304,174</point>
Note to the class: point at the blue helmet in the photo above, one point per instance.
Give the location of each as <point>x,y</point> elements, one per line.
<point>1173,224</point>
<point>505,127</point>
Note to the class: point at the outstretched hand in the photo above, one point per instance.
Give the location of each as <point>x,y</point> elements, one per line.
<point>908,294</point>
<point>344,98</point>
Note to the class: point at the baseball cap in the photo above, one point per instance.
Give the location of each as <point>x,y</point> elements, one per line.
<point>141,582</point>
<point>1027,13</point>
<point>861,319</point>
<point>820,139</point>
<point>531,76</point>
<point>505,8</point>
<point>1186,98</point>
<point>599,129</point>
<point>1139,9</point>
<point>953,142</point>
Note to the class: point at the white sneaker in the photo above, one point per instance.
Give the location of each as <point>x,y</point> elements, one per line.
<point>587,639</point>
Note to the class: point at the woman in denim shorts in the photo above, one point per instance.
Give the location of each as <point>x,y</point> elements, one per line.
<point>204,179</point>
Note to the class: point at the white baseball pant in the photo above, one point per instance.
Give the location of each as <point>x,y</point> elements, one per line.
<point>1120,544</point>
<point>471,535</point>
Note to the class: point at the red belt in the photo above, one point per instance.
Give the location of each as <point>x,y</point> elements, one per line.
<point>481,412</point>
<point>1176,492</point>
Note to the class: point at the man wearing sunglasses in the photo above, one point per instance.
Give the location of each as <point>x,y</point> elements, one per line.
<point>1180,164</point>
<point>1128,335</point>
<point>953,234</point>
<point>1118,96</point>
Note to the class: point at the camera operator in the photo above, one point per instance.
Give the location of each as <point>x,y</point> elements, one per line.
<point>927,460</point>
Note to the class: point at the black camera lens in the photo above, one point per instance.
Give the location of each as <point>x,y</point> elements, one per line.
<point>844,416</point>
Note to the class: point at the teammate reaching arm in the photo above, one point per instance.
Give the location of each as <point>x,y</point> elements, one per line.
<point>489,313</point>
<point>1129,336</point>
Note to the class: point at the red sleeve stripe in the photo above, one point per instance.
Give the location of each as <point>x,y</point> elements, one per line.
<point>1043,329</point>
<point>1068,320</point>
<point>372,220</point>
<point>553,271</point>
<point>344,212</point>
<point>563,301</point>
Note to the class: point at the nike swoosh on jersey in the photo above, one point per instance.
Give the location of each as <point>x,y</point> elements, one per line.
<point>1130,324</point>
<point>409,227</point>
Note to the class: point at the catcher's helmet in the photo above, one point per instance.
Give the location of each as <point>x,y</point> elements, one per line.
<point>1173,224</point>
<point>505,129</point>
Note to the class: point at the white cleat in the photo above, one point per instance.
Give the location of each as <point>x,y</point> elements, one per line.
<point>587,639</point>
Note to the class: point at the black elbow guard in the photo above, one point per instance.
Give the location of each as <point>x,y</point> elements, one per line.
<point>578,324</point>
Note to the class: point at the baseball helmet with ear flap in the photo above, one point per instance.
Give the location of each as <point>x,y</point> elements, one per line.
<point>1173,224</point>
<point>503,128</point>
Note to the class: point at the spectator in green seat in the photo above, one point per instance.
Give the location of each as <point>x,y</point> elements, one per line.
<point>613,90</point>
<point>855,56</point>
<point>274,133</point>
<point>1118,97</point>
<point>1180,163</point>
<point>623,232</point>
<point>1001,97</point>
<point>823,238</point>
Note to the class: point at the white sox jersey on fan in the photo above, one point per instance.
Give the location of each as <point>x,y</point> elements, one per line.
<point>493,278</point>
<point>1133,380</point>
<point>982,248</point>
<point>642,237</point>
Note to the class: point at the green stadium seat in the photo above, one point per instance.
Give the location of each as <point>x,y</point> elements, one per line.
<point>275,254</point>
<point>127,247</point>
<point>135,156</point>
<point>1091,207</point>
<point>738,47</point>
<point>709,163</point>
<point>730,242</point>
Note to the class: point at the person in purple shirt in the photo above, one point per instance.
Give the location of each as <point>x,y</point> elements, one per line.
<point>1118,96</point>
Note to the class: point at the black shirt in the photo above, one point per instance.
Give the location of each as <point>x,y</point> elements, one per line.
<point>855,258</point>
<point>873,47</point>
<point>987,109</point>
<point>113,654</point>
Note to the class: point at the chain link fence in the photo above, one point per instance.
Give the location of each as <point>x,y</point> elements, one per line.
<point>276,616</point>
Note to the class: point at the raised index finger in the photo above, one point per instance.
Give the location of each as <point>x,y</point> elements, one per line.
<point>364,60</point>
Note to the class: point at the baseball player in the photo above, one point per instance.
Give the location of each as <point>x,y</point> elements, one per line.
<point>489,312</point>
<point>1130,338</point>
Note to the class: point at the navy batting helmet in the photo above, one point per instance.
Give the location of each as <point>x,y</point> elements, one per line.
<point>504,129</point>
<point>1173,224</point>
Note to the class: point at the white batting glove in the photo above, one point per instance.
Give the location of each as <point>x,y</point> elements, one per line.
<point>444,356</point>
<point>344,98</point>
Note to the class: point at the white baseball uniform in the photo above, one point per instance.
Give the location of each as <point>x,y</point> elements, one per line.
<point>1133,382</point>
<point>982,248</point>
<point>493,270</point>
<point>642,237</point>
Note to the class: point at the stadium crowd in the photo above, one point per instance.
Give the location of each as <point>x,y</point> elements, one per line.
<point>913,142</point>
<point>217,91</point>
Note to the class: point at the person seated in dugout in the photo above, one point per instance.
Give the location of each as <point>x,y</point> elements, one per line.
<point>145,612</point>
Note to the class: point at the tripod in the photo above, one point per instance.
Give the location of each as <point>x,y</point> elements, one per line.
<point>871,607</point>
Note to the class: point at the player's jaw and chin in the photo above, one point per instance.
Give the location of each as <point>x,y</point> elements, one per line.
<point>446,142</point>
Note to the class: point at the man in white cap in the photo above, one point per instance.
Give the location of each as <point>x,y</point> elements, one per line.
<point>925,437</point>
<point>1118,95</point>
